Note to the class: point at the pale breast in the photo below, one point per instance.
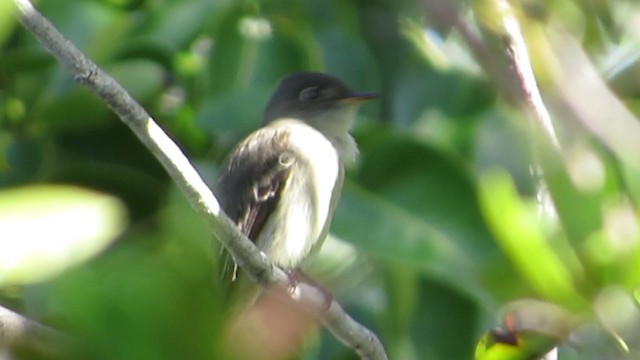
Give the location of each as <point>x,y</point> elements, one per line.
<point>314,177</point>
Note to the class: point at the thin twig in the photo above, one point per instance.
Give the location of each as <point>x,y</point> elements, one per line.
<point>16,330</point>
<point>518,56</point>
<point>254,262</point>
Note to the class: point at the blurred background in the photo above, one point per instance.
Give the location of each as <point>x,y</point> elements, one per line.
<point>463,231</point>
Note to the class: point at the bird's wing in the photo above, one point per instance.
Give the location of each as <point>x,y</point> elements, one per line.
<point>251,181</point>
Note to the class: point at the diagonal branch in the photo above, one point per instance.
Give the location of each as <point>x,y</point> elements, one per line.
<point>16,330</point>
<point>254,262</point>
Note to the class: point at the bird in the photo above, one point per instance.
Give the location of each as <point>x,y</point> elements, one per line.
<point>281,184</point>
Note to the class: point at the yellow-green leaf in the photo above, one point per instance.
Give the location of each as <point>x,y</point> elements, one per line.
<point>521,237</point>
<point>47,228</point>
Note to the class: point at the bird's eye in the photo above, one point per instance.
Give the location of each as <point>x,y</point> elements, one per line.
<point>310,94</point>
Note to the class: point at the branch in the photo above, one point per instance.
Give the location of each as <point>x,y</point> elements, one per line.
<point>16,330</point>
<point>518,57</point>
<point>512,74</point>
<point>253,261</point>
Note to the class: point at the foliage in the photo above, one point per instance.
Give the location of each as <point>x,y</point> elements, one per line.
<point>440,225</point>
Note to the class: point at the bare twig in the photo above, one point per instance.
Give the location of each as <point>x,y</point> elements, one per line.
<point>16,330</point>
<point>254,262</point>
<point>518,57</point>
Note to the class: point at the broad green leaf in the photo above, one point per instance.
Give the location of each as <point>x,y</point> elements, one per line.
<point>47,229</point>
<point>75,109</point>
<point>388,232</point>
<point>521,237</point>
<point>142,78</point>
<point>438,204</point>
<point>439,334</point>
<point>175,24</point>
<point>228,118</point>
<point>94,28</point>
<point>140,302</point>
<point>434,187</point>
<point>231,52</point>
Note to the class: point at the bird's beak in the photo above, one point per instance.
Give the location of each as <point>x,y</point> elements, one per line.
<point>356,98</point>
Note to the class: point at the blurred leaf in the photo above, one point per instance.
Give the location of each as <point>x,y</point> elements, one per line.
<point>76,109</point>
<point>578,225</point>
<point>530,330</point>
<point>431,185</point>
<point>23,159</point>
<point>618,313</point>
<point>174,24</point>
<point>415,207</point>
<point>596,107</point>
<point>623,74</point>
<point>47,229</point>
<point>530,346</point>
<point>343,55</point>
<point>24,59</point>
<point>402,288</point>
<point>390,233</point>
<point>142,78</point>
<point>7,20</point>
<point>521,236</point>
<point>91,26</point>
<point>439,334</point>
<point>150,296</point>
<point>614,250</point>
<point>438,203</point>
<point>228,56</point>
<point>136,302</point>
<point>456,94</point>
<point>228,116</point>
<point>188,234</point>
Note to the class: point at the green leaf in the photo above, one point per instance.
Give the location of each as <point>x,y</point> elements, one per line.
<point>391,233</point>
<point>578,225</point>
<point>141,78</point>
<point>228,117</point>
<point>47,229</point>
<point>75,109</point>
<point>520,234</point>
<point>418,207</point>
<point>434,187</point>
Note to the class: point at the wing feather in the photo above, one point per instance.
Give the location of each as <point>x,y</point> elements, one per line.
<point>251,182</point>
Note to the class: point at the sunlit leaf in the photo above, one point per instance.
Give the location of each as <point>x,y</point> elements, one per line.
<point>521,236</point>
<point>7,20</point>
<point>46,229</point>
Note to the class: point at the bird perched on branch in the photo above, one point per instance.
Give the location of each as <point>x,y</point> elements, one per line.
<point>281,184</point>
